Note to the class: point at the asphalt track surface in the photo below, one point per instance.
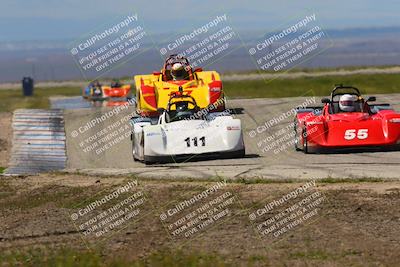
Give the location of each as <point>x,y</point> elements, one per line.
<point>281,161</point>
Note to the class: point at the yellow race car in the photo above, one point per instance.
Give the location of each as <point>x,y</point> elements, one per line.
<point>153,91</point>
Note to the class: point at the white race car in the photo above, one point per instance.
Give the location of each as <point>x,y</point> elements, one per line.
<point>183,131</point>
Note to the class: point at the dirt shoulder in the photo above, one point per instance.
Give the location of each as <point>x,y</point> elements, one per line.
<point>355,224</point>
<point>5,138</point>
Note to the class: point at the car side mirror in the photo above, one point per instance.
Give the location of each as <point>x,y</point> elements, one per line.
<point>198,70</point>
<point>160,110</point>
<point>371,99</point>
<point>156,73</point>
<point>325,100</point>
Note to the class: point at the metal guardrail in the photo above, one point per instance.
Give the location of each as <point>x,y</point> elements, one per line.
<point>38,143</point>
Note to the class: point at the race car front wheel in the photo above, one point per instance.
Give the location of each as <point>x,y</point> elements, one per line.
<point>134,152</point>
<point>296,136</point>
<point>305,142</point>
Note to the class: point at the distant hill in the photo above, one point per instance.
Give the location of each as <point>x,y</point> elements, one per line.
<point>51,60</point>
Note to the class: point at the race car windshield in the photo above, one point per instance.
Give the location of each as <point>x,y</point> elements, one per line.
<point>182,110</point>
<point>181,115</point>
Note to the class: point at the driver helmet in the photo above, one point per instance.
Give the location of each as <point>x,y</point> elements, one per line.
<point>115,83</point>
<point>96,87</point>
<point>97,91</point>
<point>177,71</point>
<point>347,103</point>
<point>96,83</point>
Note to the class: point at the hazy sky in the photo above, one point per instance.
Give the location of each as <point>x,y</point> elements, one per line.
<point>66,19</point>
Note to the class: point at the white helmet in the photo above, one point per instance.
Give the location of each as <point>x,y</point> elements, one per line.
<point>346,103</point>
<point>177,71</point>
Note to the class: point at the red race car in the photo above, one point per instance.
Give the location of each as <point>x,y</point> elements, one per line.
<point>347,121</point>
<point>117,90</point>
<point>117,93</point>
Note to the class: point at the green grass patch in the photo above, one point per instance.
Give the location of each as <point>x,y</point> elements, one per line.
<point>180,259</point>
<point>321,255</point>
<point>311,86</point>
<point>6,189</point>
<point>2,169</point>
<point>331,180</point>
<point>62,196</point>
<point>310,70</point>
<point>239,180</point>
<point>73,257</point>
<point>312,255</point>
<point>12,99</point>
<point>49,257</point>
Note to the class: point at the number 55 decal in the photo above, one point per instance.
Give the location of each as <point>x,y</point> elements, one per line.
<point>352,133</point>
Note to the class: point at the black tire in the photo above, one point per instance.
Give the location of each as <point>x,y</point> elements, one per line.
<point>296,136</point>
<point>133,149</point>
<point>305,142</point>
<point>239,154</point>
<point>242,154</point>
<point>147,163</point>
<point>142,144</point>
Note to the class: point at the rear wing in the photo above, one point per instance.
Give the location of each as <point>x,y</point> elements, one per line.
<point>208,76</point>
<point>146,79</point>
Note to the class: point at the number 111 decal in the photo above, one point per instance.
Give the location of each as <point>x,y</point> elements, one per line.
<point>195,141</point>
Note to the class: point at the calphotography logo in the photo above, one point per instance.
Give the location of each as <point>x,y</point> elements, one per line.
<point>199,212</point>
<point>109,213</point>
<point>109,47</point>
<point>205,44</point>
<point>284,49</point>
<point>105,132</point>
<point>287,213</point>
